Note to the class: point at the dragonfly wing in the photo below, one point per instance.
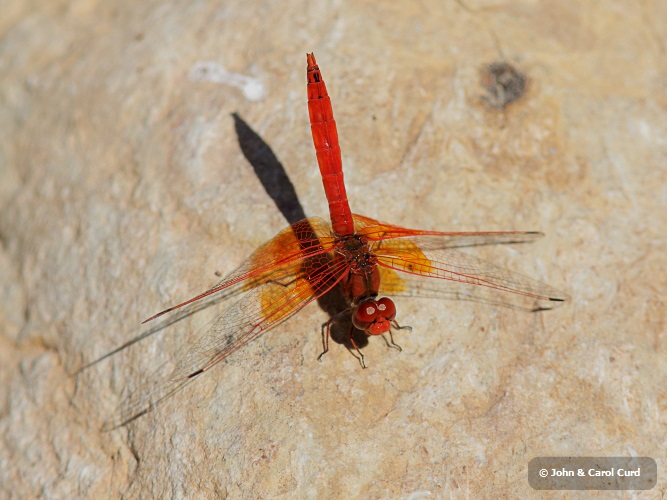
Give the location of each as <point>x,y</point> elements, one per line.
<point>378,231</point>
<point>145,399</point>
<point>301,240</point>
<point>453,267</point>
<point>290,289</point>
<point>259,310</point>
<point>393,283</point>
<point>462,240</point>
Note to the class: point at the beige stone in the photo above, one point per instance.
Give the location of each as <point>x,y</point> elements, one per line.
<point>123,190</point>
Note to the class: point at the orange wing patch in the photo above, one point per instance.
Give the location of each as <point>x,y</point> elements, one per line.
<point>404,255</point>
<point>391,282</point>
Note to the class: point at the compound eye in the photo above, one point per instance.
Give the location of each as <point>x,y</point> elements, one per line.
<point>387,308</point>
<point>364,315</point>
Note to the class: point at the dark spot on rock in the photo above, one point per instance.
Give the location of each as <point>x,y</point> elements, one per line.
<point>503,84</point>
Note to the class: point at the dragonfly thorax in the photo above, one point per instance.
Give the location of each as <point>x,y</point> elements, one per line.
<point>374,316</point>
<point>356,252</point>
<point>363,277</point>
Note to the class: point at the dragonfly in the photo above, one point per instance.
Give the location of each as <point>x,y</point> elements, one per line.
<point>360,256</point>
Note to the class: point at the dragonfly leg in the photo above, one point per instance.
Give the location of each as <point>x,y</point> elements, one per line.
<point>326,332</point>
<point>399,327</point>
<point>361,356</point>
<point>325,338</point>
<point>391,343</point>
<point>285,284</point>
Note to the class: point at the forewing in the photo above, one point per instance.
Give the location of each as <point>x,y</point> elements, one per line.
<point>378,231</point>
<point>303,239</point>
<point>451,268</point>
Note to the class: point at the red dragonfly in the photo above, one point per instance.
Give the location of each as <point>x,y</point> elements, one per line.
<point>361,256</point>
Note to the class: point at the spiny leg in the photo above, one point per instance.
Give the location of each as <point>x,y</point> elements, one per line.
<point>399,327</point>
<point>325,335</point>
<point>325,338</point>
<point>361,356</point>
<point>391,343</point>
<point>285,284</point>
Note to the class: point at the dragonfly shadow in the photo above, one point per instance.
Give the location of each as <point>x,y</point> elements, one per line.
<point>279,187</point>
<point>342,329</point>
<point>269,171</point>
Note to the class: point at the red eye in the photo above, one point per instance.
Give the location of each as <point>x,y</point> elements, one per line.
<point>387,308</point>
<point>364,315</point>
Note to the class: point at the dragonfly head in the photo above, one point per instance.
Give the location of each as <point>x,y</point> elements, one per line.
<point>374,316</point>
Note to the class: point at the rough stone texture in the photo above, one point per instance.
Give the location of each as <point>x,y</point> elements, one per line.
<point>123,189</point>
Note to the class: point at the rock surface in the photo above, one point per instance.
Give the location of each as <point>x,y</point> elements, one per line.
<point>124,189</point>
